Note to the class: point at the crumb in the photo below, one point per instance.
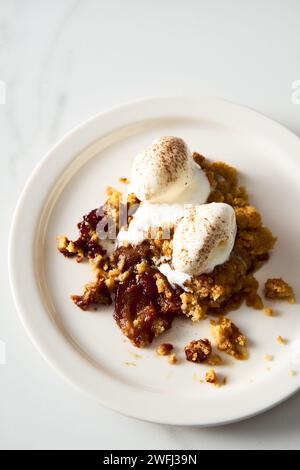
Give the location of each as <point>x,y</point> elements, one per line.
<point>198,350</point>
<point>293,373</point>
<point>277,288</point>
<point>124,180</point>
<point>281,340</point>
<point>164,349</point>
<point>268,357</point>
<point>201,351</point>
<point>268,369</point>
<point>229,338</point>
<point>269,312</point>
<point>212,378</point>
<point>130,363</point>
<point>172,359</point>
<point>191,307</point>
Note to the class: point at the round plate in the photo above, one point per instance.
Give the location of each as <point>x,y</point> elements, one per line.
<point>87,347</point>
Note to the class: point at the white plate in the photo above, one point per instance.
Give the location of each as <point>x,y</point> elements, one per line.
<point>88,348</point>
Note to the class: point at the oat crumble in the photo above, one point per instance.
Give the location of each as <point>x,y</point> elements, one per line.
<point>229,338</point>
<point>198,350</point>
<point>212,378</point>
<point>146,303</point>
<point>277,288</point>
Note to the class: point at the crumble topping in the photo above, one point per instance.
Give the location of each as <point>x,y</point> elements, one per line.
<point>198,350</point>
<point>146,303</point>
<point>191,308</point>
<point>277,288</point>
<point>172,359</point>
<point>211,377</point>
<point>94,293</point>
<point>164,349</point>
<point>229,338</point>
<point>201,351</point>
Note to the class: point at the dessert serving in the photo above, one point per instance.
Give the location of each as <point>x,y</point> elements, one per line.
<point>183,240</point>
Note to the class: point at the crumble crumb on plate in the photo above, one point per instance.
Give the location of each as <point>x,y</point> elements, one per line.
<point>200,350</point>
<point>172,359</point>
<point>212,378</point>
<point>277,288</point>
<point>281,340</point>
<point>229,338</point>
<point>164,349</point>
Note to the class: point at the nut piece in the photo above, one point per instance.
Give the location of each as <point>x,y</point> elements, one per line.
<point>229,338</point>
<point>198,350</point>
<point>211,377</point>
<point>164,349</point>
<point>277,288</point>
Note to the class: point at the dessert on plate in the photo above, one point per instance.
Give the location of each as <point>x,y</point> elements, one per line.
<point>183,240</point>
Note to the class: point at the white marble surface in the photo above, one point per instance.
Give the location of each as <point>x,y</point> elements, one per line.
<point>64,60</point>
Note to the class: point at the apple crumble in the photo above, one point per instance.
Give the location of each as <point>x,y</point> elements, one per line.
<point>201,263</point>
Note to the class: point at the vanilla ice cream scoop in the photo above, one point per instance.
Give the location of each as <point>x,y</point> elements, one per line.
<point>204,238</point>
<point>166,172</point>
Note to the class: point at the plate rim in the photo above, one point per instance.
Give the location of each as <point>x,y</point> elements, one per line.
<point>18,296</point>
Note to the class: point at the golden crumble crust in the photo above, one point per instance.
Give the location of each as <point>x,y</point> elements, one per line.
<point>277,288</point>
<point>229,338</point>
